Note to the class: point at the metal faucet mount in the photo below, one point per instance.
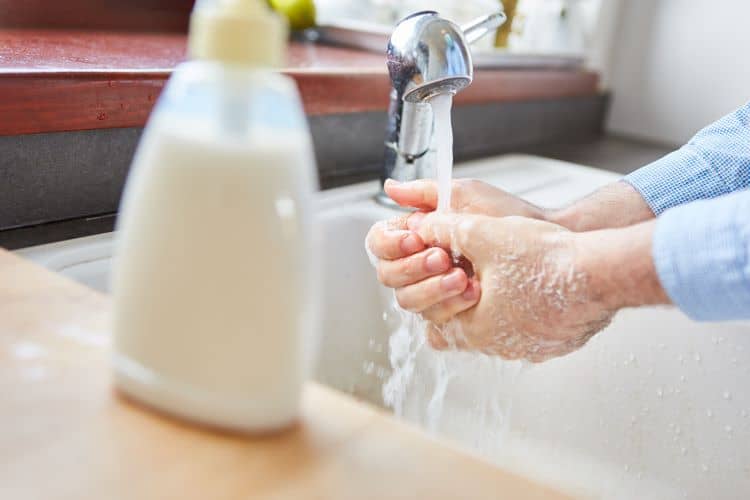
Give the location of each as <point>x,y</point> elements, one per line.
<point>427,56</point>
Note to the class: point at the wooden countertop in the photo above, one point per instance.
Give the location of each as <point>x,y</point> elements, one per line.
<point>58,80</point>
<point>66,435</point>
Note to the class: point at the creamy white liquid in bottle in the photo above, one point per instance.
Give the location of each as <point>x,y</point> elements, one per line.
<point>213,274</point>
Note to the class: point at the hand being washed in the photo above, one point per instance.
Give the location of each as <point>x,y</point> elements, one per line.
<point>536,301</point>
<point>467,196</point>
<point>425,279</point>
<point>544,290</point>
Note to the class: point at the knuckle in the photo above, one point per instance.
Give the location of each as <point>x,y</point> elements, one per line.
<point>405,299</point>
<point>406,266</point>
<point>382,273</point>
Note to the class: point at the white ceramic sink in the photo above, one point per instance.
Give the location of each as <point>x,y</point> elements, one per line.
<point>653,407</point>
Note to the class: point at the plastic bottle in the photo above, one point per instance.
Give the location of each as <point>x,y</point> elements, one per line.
<point>213,286</point>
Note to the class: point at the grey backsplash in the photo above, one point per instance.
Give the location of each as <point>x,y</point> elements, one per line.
<point>349,148</point>
<point>63,185</point>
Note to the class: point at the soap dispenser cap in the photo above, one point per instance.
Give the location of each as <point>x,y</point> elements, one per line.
<point>244,32</point>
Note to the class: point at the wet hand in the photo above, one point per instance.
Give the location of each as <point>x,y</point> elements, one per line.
<point>535,303</point>
<point>426,279</point>
<point>467,196</point>
<point>423,278</point>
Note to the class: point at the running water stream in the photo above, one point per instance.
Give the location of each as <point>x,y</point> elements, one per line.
<point>439,390</point>
<point>441,111</point>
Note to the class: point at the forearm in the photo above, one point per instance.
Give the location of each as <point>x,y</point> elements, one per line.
<point>613,206</point>
<point>619,266</point>
<point>714,163</point>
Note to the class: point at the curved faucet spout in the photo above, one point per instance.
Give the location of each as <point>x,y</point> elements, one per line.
<point>427,56</point>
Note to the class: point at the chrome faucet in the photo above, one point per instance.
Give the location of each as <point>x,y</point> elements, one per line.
<point>427,56</point>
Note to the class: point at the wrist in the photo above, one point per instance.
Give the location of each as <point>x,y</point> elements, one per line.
<point>615,205</point>
<point>619,266</point>
<point>568,217</point>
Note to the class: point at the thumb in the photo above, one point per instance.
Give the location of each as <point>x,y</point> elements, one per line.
<point>421,194</point>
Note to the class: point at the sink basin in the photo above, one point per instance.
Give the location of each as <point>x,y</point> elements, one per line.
<point>653,407</point>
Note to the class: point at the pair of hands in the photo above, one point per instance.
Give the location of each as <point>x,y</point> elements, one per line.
<point>527,296</point>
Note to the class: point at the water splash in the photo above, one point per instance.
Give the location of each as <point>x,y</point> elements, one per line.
<point>437,390</point>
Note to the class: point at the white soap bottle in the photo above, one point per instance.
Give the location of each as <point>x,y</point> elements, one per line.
<point>213,280</point>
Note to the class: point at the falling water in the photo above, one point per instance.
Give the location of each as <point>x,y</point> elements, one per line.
<point>441,110</point>
<point>438,390</point>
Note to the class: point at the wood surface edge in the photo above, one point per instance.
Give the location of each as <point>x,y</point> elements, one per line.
<point>341,448</point>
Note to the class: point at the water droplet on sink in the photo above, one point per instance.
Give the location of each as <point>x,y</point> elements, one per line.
<point>650,372</point>
<point>662,346</point>
<point>627,468</point>
<point>743,413</point>
<point>709,413</point>
<point>734,361</point>
<point>715,340</point>
<point>727,395</point>
<point>728,429</point>
<point>631,358</point>
<point>683,378</point>
<point>704,468</point>
<point>697,357</point>
<point>659,392</point>
<point>683,451</point>
<point>681,358</point>
<point>721,339</point>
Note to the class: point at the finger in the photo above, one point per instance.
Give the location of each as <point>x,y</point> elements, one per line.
<point>421,194</point>
<point>413,269</point>
<point>389,243</point>
<point>446,310</point>
<point>420,296</point>
<point>449,231</point>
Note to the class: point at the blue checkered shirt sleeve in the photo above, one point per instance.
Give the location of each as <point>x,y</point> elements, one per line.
<point>701,195</point>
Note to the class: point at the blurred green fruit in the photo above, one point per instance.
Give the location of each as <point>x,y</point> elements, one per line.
<point>300,13</point>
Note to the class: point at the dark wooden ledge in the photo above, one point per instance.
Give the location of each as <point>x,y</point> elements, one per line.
<point>57,80</point>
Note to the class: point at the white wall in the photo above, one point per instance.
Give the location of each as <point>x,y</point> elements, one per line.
<point>677,65</point>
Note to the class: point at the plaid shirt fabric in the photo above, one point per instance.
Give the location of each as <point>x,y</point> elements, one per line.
<point>701,195</point>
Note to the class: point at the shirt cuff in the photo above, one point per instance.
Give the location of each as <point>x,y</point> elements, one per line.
<point>701,252</point>
<point>680,177</point>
